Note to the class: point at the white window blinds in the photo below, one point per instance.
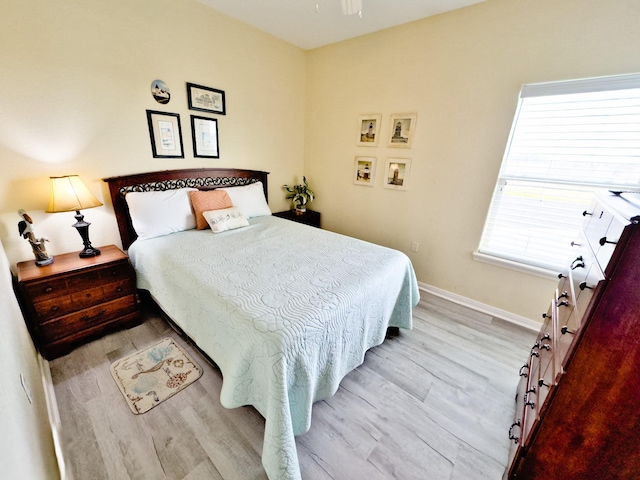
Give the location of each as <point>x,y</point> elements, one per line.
<point>567,139</point>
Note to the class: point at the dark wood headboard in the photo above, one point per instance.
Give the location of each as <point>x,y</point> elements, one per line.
<point>201,178</point>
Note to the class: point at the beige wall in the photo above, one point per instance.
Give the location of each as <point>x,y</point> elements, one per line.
<point>461,73</point>
<point>26,443</point>
<point>75,79</point>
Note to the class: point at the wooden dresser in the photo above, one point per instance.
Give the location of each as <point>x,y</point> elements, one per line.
<point>74,299</point>
<point>578,400</point>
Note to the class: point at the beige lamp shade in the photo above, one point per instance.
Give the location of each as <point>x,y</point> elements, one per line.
<point>69,194</point>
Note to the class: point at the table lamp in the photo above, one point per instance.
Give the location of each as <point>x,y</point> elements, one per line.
<point>68,193</point>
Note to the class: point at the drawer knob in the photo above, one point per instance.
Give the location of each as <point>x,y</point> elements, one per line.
<point>563,303</point>
<point>585,213</point>
<point>604,240</point>
<point>546,315</point>
<point>584,285</point>
<point>511,435</point>
<point>48,290</point>
<point>521,373</point>
<point>119,289</point>
<point>575,244</point>
<point>563,295</point>
<point>55,308</point>
<point>561,276</point>
<point>566,330</point>
<point>541,383</point>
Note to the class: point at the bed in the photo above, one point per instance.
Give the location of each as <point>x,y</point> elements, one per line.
<point>285,310</point>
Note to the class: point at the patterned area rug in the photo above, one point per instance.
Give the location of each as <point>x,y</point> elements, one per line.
<point>150,376</point>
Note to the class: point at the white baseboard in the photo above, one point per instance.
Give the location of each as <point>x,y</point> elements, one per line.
<point>54,416</point>
<point>481,307</point>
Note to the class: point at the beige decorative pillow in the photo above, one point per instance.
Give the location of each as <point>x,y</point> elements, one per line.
<point>226,219</point>
<point>204,201</point>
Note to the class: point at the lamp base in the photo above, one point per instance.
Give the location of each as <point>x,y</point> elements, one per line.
<point>89,252</point>
<point>83,230</point>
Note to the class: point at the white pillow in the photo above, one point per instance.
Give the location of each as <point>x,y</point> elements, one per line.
<point>249,199</point>
<point>161,213</point>
<point>225,219</point>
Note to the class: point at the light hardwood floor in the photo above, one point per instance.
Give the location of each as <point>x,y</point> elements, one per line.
<point>433,403</point>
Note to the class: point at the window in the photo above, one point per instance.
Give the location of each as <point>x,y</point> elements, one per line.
<point>567,140</point>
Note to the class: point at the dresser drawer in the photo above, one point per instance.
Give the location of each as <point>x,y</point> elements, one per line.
<point>83,319</point>
<point>46,290</point>
<point>597,225</point>
<point>115,271</point>
<point>608,241</point>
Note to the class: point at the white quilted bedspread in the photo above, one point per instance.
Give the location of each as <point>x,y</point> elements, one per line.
<point>285,310</point>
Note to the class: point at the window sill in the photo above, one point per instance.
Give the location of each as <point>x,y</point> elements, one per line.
<point>518,267</point>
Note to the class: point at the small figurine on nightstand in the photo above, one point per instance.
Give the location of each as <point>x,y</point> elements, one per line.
<point>25,227</point>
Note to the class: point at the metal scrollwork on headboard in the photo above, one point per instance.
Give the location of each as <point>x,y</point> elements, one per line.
<point>200,183</point>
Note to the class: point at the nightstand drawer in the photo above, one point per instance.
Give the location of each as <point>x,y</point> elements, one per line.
<point>78,321</point>
<point>47,290</point>
<point>60,306</point>
<point>115,272</point>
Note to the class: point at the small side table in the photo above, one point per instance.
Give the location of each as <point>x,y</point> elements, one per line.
<point>74,299</point>
<point>308,218</point>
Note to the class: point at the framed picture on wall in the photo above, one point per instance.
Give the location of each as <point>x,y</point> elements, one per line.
<point>206,99</point>
<point>396,173</point>
<point>205,137</point>
<point>165,134</point>
<point>368,130</point>
<point>365,171</point>
<point>403,126</point>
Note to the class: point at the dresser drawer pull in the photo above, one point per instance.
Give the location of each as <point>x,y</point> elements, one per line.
<point>546,315</point>
<point>575,244</point>
<point>561,276</point>
<point>566,330</point>
<point>546,347</point>
<point>584,285</point>
<point>585,213</point>
<point>538,344</point>
<point>541,383</point>
<point>527,402</point>
<point>577,263</point>
<point>523,374</point>
<point>119,289</point>
<point>48,290</point>
<point>563,303</point>
<point>563,295</point>
<point>511,435</point>
<point>535,353</point>
<point>604,240</point>
<point>55,308</point>
<point>93,317</point>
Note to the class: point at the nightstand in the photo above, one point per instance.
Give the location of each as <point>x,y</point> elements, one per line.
<point>74,299</point>
<point>308,218</point>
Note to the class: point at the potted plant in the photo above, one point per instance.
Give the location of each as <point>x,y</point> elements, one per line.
<point>300,195</point>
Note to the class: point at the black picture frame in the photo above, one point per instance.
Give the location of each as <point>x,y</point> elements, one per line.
<point>165,133</point>
<point>204,133</point>
<point>206,99</point>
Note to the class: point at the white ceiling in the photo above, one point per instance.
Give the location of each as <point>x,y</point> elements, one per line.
<point>297,22</point>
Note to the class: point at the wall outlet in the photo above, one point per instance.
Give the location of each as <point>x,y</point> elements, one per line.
<point>415,246</point>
